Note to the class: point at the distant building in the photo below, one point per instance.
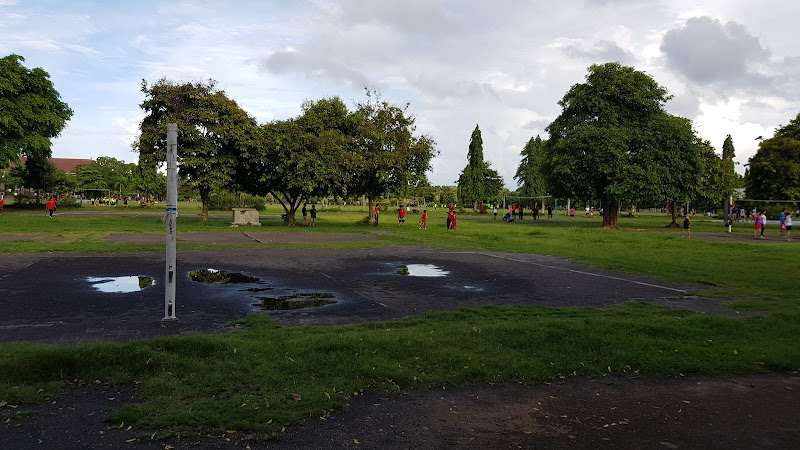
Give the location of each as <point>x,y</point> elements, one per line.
<point>66,165</point>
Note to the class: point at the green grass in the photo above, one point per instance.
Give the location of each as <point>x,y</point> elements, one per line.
<point>261,378</point>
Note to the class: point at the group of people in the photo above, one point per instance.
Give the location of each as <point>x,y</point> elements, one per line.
<point>423,220</point>
<point>760,223</point>
<point>518,211</point>
<point>313,210</point>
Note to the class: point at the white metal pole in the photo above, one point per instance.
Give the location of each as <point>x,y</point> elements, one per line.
<point>170,220</point>
<point>730,219</point>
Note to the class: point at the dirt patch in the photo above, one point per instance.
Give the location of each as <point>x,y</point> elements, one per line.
<point>237,237</point>
<point>47,237</point>
<point>755,411</point>
<point>743,237</point>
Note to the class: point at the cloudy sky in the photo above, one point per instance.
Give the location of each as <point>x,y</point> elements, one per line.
<point>733,66</point>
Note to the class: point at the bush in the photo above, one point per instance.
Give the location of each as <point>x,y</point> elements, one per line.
<point>221,202</point>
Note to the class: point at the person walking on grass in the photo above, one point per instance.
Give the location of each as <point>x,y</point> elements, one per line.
<point>401,217</point>
<point>687,226</point>
<point>424,219</point>
<point>495,212</point>
<point>377,210</point>
<point>305,214</point>
<point>313,215</point>
<point>51,206</point>
<point>787,221</point>
<point>763,222</point>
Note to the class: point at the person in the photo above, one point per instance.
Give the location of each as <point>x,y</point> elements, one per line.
<point>453,221</point>
<point>572,212</point>
<point>450,214</point>
<point>377,210</point>
<point>757,225</point>
<point>587,211</point>
<point>511,209</point>
<point>687,226</point>
<point>401,217</point>
<point>549,212</point>
<point>536,211</point>
<point>313,215</point>
<point>51,206</point>
<point>783,225</point>
<point>763,222</point>
<point>2,201</point>
<point>424,219</point>
<point>305,214</point>
<point>495,212</point>
<point>787,221</point>
<point>520,210</point>
<point>125,203</point>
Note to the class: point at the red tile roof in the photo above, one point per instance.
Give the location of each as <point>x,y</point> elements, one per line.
<point>68,165</point>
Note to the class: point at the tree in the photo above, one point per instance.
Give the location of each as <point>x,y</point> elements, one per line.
<point>31,111</point>
<point>531,181</point>
<point>774,171</point>
<point>212,131</point>
<point>478,181</point>
<point>297,159</point>
<point>388,155</point>
<point>106,174</point>
<point>614,141</point>
<point>728,173</point>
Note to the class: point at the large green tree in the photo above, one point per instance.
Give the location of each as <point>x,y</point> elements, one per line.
<point>614,141</point>
<point>531,181</point>
<point>774,171</point>
<point>212,131</point>
<point>297,159</point>
<point>31,112</point>
<point>388,155</point>
<point>107,173</point>
<point>478,181</point>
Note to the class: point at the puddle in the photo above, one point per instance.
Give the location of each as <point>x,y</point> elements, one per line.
<point>422,270</point>
<point>296,301</point>
<point>120,284</point>
<point>212,276</point>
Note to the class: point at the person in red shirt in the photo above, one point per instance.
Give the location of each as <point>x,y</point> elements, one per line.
<point>1,205</point>
<point>453,222</point>
<point>401,217</point>
<point>51,206</point>
<point>424,220</point>
<point>377,209</point>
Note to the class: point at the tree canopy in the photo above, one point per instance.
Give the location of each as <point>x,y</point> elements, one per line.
<point>297,159</point>
<point>388,156</point>
<point>614,141</point>
<point>775,168</point>
<point>212,130</point>
<point>530,177</point>
<point>31,112</point>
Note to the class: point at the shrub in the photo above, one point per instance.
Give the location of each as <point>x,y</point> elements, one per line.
<point>231,201</point>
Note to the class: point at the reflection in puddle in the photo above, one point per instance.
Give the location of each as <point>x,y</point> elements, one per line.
<point>120,284</point>
<point>296,301</point>
<point>422,270</point>
<point>220,276</point>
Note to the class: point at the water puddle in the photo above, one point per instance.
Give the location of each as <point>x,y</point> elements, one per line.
<point>296,301</point>
<point>212,276</point>
<point>120,284</point>
<point>422,270</point>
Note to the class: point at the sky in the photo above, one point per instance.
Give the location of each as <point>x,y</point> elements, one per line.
<point>732,66</point>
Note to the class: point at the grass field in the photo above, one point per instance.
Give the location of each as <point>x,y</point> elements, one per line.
<point>262,378</point>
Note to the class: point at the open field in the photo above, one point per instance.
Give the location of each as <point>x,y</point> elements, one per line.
<point>265,375</point>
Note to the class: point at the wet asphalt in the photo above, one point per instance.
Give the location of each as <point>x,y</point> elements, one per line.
<point>49,298</point>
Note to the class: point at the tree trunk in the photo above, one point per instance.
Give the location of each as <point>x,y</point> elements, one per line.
<point>205,197</point>
<point>674,210</point>
<point>369,209</point>
<point>610,214</point>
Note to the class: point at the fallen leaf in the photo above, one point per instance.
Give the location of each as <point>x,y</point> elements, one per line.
<point>269,421</point>
<point>355,441</point>
<point>121,425</point>
<point>130,440</point>
<point>327,395</point>
<point>129,428</point>
<point>297,397</point>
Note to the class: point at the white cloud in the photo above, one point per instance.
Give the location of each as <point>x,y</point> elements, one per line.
<point>733,67</point>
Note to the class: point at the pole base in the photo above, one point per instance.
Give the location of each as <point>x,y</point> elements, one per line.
<point>169,321</point>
